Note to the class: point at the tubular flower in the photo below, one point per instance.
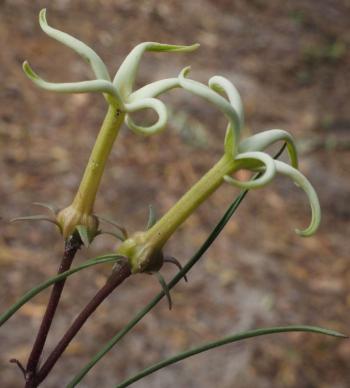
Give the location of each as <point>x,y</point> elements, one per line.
<point>144,248</point>
<point>123,102</point>
<point>118,92</point>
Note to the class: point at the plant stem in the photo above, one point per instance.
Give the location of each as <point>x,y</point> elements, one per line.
<point>118,276</point>
<point>72,245</point>
<point>83,203</point>
<point>165,227</point>
<point>85,197</point>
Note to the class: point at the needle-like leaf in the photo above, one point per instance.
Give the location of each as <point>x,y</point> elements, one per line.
<point>54,209</point>
<point>224,341</point>
<point>165,289</point>
<point>152,217</point>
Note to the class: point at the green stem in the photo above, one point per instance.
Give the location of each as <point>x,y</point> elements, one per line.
<point>85,197</point>
<point>224,341</point>
<point>159,234</point>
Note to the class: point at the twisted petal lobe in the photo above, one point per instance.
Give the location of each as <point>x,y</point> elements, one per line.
<point>125,77</point>
<point>145,103</point>
<point>247,158</point>
<point>154,89</point>
<point>232,134</point>
<point>94,86</point>
<point>81,48</point>
<point>223,85</point>
<point>262,140</point>
<point>301,181</point>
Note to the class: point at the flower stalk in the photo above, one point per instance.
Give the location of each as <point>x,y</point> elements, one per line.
<point>198,193</point>
<point>80,212</point>
<point>72,245</point>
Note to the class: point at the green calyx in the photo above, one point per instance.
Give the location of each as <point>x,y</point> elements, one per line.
<point>71,221</point>
<point>142,255</point>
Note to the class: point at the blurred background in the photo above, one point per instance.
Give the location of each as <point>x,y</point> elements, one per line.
<point>290,61</point>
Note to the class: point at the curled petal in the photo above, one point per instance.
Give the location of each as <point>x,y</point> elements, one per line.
<point>95,86</point>
<point>145,103</point>
<point>302,182</point>
<point>125,77</point>
<point>262,140</point>
<point>154,89</point>
<point>248,160</point>
<point>223,85</point>
<point>81,48</point>
<point>232,133</point>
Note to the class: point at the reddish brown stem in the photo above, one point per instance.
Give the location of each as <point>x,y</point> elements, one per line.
<point>71,247</point>
<point>118,276</point>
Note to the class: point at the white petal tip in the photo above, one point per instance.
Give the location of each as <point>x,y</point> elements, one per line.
<point>42,17</point>
<point>30,73</point>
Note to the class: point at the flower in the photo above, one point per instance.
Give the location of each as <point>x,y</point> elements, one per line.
<point>123,102</point>
<point>119,92</point>
<point>144,249</point>
<point>248,153</point>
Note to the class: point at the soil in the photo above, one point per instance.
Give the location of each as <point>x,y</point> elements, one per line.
<point>290,61</point>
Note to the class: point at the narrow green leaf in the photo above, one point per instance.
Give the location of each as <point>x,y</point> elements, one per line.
<point>84,234</point>
<point>152,217</point>
<point>116,235</point>
<point>115,224</point>
<point>39,217</point>
<point>165,288</point>
<point>54,209</point>
<point>224,341</point>
<point>36,290</point>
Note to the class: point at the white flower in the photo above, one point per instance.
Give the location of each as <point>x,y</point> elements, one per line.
<point>118,92</point>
